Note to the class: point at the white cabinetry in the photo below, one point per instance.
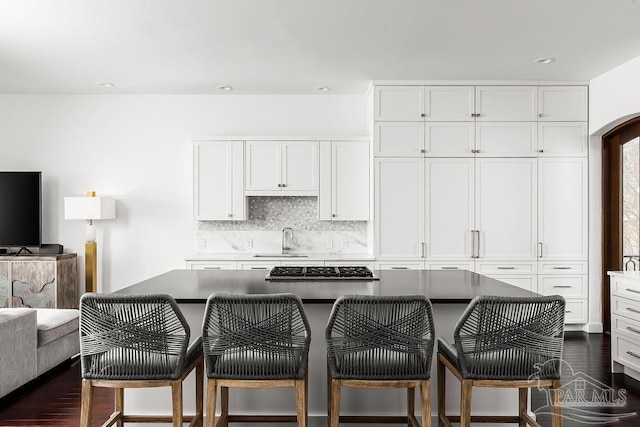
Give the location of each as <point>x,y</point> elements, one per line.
<point>562,139</point>
<point>399,208</point>
<point>218,180</point>
<point>344,181</point>
<point>625,323</point>
<point>281,167</point>
<point>563,103</point>
<point>506,103</point>
<point>211,265</point>
<point>423,103</point>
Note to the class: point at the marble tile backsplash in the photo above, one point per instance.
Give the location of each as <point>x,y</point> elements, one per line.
<point>262,232</point>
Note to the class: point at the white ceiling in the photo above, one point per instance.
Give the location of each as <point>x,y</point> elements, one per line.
<point>295,46</point>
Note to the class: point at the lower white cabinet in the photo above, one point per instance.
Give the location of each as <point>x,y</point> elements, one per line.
<point>399,265</point>
<point>625,323</point>
<point>523,281</point>
<point>211,265</point>
<point>257,265</point>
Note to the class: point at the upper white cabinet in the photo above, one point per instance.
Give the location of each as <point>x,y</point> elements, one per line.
<point>449,139</point>
<point>399,139</point>
<point>281,167</point>
<point>344,181</point>
<point>218,180</point>
<point>423,103</point>
<point>563,139</point>
<point>399,208</point>
<point>506,139</point>
<point>398,103</point>
<point>449,103</point>
<point>562,209</point>
<point>506,103</point>
<point>562,103</point>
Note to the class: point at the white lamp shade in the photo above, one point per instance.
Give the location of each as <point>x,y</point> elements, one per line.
<point>89,208</point>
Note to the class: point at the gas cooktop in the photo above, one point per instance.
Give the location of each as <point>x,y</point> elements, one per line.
<point>321,273</point>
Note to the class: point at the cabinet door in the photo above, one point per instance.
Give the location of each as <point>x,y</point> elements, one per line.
<point>449,207</point>
<point>263,166</point>
<point>399,208</point>
<point>398,139</point>
<point>300,166</point>
<point>33,284</point>
<point>528,282</point>
<point>510,139</point>
<point>449,139</point>
<point>563,103</point>
<point>449,103</point>
<point>350,180</point>
<point>563,139</point>
<point>218,180</point>
<point>562,208</point>
<point>398,103</point>
<point>506,103</point>
<point>506,208</point>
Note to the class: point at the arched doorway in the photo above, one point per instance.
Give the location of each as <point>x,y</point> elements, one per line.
<point>620,205</point>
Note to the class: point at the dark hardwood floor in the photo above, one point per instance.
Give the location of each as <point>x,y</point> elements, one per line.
<point>55,399</point>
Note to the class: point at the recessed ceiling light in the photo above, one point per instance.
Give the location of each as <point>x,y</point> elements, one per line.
<point>544,60</point>
<point>323,89</point>
<point>225,88</point>
<point>105,84</point>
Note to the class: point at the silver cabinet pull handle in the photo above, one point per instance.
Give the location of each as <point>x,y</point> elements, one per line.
<point>423,151</point>
<point>631,353</point>
<point>212,268</point>
<point>399,268</point>
<point>423,115</point>
<point>540,115</point>
<point>423,249</point>
<point>637,331</point>
<point>258,268</point>
<point>561,286</point>
<point>633,310</point>
<point>475,244</point>
<point>562,268</point>
<point>539,249</point>
<point>506,268</point>
<point>449,268</point>
<point>567,311</point>
<point>635,291</point>
<point>230,215</point>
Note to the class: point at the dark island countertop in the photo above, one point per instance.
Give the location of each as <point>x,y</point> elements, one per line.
<point>440,286</point>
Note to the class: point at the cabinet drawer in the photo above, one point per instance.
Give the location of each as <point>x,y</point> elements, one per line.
<point>625,288</point>
<point>567,286</point>
<point>369,264</point>
<point>257,265</point>
<point>624,326</point>
<point>399,265</point>
<point>562,267</point>
<point>576,311</point>
<point>506,268</point>
<point>211,265</point>
<point>626,351</point>
<point>449,266</point>
<point>625,307</point>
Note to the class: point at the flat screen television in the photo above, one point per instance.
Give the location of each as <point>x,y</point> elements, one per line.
<point>20,209</point>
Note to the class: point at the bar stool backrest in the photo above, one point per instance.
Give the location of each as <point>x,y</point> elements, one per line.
<point>506,338</point>
<point>132,337</point>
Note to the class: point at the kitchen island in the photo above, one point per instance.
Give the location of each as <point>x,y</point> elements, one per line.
<point>448,291</point>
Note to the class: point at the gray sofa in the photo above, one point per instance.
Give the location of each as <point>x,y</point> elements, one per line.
<point>32,341</point>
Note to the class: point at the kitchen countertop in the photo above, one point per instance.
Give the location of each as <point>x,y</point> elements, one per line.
<point>440,286</point>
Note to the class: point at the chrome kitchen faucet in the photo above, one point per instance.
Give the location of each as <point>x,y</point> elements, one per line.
<point>286,248</point>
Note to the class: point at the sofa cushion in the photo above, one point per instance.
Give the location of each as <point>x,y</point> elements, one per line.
<point>54,323</point>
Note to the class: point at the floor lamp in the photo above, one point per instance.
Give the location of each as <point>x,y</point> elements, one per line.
<point>90,208</point>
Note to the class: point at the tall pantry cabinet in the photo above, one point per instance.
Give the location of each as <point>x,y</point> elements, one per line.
<point>487,178</point>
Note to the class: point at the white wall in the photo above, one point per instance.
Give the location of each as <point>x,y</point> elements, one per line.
<point>614,97</point>
<point>137,148</point>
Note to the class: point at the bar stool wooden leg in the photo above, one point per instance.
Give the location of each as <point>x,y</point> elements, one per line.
<point>86,408</point>
<point>425,399</point>
<point>335,403</point>
<point>556,409</point>
<point>411,404</point>
<point>212,389</point>
<point>328,395</point>
<point>523,395</point>
<point>119,397</point>
<point>199,391</point>
<point>300,405</point>
<point>465,404</point>
<point>224,406</point>
<point>176,397</point>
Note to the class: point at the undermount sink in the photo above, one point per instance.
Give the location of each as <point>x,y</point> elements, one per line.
<point>280,256</point>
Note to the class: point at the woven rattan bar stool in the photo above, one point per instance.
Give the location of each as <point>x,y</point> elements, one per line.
<point>380,342</point>
<point>137,341</point>
<point>507,343</point>
<point>255,341</point>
